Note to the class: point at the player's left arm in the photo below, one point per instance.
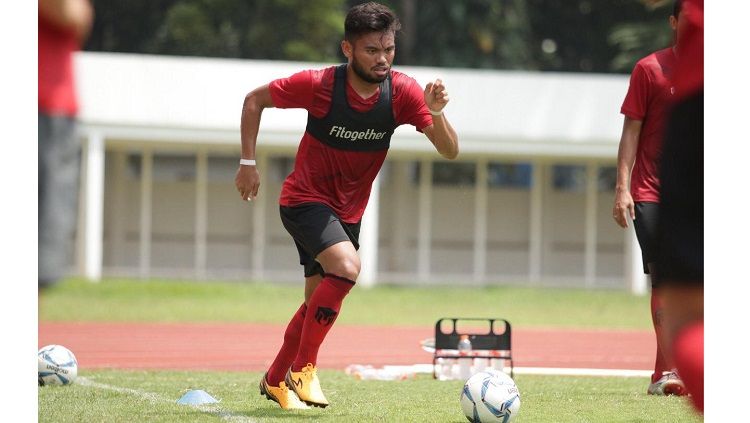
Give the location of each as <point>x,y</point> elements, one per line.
<point>440,133</point>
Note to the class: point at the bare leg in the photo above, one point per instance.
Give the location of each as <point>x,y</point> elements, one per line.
<point>341,259</point>
<point>662,363</point>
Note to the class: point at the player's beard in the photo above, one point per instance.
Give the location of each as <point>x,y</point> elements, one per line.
<point>365,76</point>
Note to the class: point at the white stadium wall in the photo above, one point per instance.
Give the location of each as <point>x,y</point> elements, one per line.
<point>229,228</point>
<point>181,217</point>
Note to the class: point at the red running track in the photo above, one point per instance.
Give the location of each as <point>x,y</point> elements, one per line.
<point>251,347</point>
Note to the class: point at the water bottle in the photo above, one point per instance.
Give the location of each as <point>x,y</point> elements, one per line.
<point>480,364</point>
<point>444,369</point>
<point>464,357</point>
<point>497,362</point>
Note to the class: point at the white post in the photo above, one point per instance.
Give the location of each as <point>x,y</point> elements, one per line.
<point>94,206</point>
<point>634,275</point>
<point>399,229</point>
<point>147,167</point>
<point>480,220</point>
<point>117,210</point>
<point>259,221</point>
<point>80,244</point>
<point>536,222</point>
<point>590,225</point>
<point>368,238</point>
<point>201,212</point>
<point>425,220</point>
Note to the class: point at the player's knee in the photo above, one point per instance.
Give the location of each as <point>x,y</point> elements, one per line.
<point>348,267</point>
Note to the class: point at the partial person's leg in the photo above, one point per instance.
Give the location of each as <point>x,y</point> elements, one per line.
<point>313,275</point>
<point>683,304</point>
<point>660,362</point>
<point>680,242</point>
<point>665,380</point>
<point>683,326</point>
<point>319,233</point>
<point>341,264</point>
<point>688,347</point>
<point>59,169</point>
<point>292,336</point>
<point>323,309</point>
<point>311,284</point>
<point>646,220</point>
<point>273,384</point>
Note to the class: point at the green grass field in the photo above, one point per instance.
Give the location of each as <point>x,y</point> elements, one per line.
<point>174,301</point>
<point>132,396</point>
<point>151,397</point>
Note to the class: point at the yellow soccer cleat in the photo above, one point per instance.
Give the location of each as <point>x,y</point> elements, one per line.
<point>286,398</point>
<point>307,386</point>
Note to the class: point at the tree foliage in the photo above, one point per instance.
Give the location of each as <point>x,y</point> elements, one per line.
<point>548,35</point>
<point>259,29</point>
<point>468,34</point>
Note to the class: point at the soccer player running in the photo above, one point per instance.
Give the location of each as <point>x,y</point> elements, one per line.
<point>646,107</point>
<point>353,110</point>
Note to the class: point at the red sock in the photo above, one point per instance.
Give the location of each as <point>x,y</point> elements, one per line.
<point>289,348</point>
<point>324,306</point>
<point>688,356</point>
<point>660,364</point>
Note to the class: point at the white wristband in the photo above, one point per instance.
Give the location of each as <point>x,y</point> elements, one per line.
<point>434,113</point>
<point>247,162</point>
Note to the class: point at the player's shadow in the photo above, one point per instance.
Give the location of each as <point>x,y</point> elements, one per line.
<point>313,414</point>
<point>262,413</point>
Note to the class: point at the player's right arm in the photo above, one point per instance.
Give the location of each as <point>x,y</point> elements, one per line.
<point>624,206</point>
<point>247,179</point>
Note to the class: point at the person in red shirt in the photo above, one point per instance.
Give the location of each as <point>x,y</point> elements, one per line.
<point>637,192</point>
<point>63,25</point>
<point>679,260</point>
<point>353,110</point>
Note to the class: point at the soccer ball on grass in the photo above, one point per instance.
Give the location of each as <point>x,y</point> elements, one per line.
<point>490,396</point>
<point>57,366</point>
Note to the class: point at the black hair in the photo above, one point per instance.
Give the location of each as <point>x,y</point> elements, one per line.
<point>369,17</point>
<point>676,8</point>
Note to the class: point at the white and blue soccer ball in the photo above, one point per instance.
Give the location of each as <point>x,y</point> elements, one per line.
<point>57,366</point>
<point>490,396</point>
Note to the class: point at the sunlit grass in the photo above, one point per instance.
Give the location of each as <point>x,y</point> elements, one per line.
<point>175,301</point>
<point>150,396</point>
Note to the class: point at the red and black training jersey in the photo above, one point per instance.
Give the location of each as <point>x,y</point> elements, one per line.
<point>339,171</point>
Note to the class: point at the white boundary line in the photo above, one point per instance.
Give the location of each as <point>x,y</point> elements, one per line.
<point>549,371</point>
<point>557,371</point>
<point>156,398</point>
<point>417,368</point>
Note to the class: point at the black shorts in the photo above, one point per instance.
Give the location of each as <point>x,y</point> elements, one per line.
<point>315,227</point>
<point>646,219</point>
<point>679,239</point>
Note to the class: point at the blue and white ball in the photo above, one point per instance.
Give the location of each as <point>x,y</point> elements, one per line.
<point>490,396</point>
<point>57,366</point>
